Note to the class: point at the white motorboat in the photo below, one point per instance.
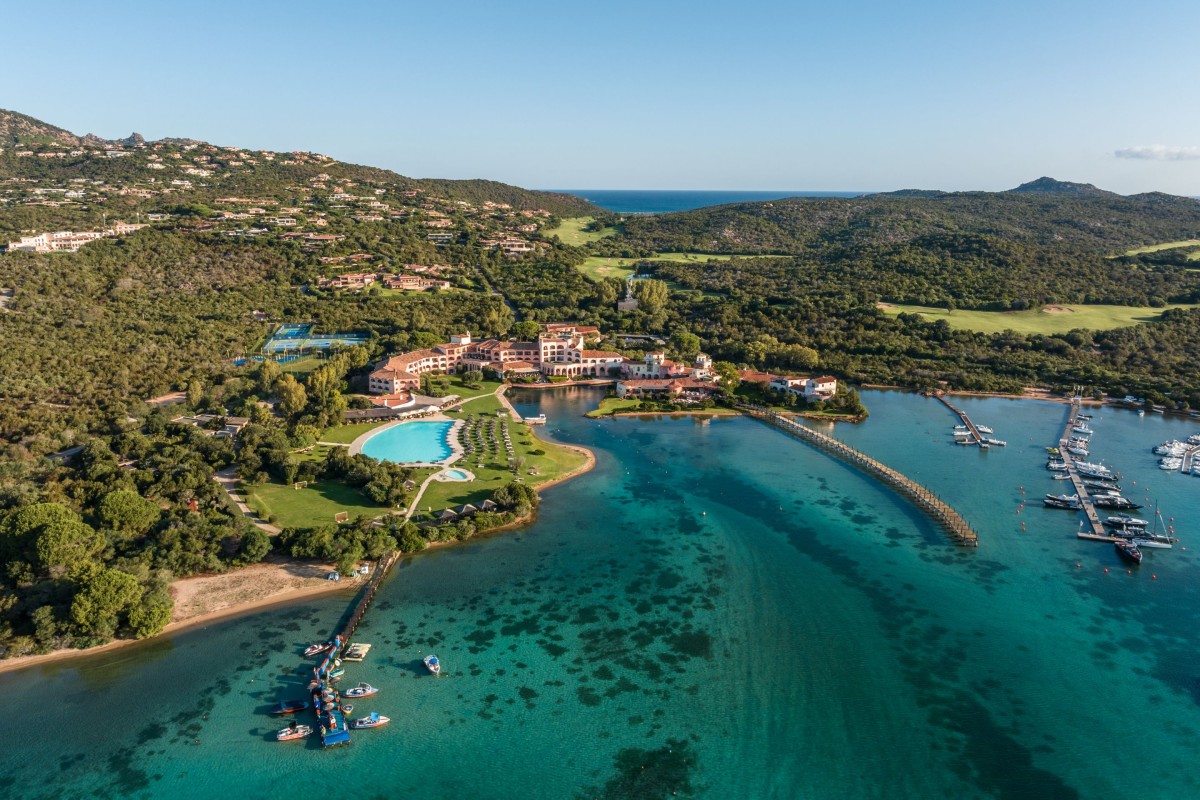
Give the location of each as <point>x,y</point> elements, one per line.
<point>432,663</point>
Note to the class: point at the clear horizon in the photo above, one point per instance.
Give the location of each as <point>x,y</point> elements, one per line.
<point>934,95</point>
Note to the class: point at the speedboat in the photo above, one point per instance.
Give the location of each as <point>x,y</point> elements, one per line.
<point>372,720</point>
<point>319,647</point>
<point>1062,476</point>
<point>1128,551</point>
<point>1056,465</point>
<point>362,690</point>
<point>290,707</point>
<point>984,429</point>
<point>432,663</point>
<point>293,731</point>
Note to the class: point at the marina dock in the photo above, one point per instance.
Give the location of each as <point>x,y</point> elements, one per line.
<point>1189,459</point>
<point>1085,500</point>
<point>941,513</point>
<point>966,420</point>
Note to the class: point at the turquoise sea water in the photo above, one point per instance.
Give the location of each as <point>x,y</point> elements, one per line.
<point>410,442</point>
<point>716,610</point>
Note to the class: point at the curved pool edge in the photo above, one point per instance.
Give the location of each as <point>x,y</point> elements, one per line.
<point>456,451</point>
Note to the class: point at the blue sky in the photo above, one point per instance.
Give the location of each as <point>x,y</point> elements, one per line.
<point>851,95</point>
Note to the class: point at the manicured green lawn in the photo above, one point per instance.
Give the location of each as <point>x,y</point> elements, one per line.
<point>1154,248</point>
<point>571,231</point>
<point>495,472</point>
<point>345,434</point>
<point>611,405</point>
<point>315,505</point>
<point>462,390</point>
<point>1036,320</point>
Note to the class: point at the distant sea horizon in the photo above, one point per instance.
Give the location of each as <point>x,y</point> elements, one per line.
<point>659,201</point>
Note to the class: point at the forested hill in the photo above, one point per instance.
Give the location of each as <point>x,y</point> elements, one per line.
<point>32,149</point>
<point>1044,215</point>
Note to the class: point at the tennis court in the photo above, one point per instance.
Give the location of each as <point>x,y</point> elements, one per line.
<point>298,337</point>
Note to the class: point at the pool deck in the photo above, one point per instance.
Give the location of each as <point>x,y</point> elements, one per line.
<point>456,451</point>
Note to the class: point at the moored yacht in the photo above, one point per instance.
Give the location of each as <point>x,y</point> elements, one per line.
<point>1128,551</point>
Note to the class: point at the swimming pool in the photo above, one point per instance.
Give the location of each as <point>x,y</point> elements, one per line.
<point>457,475</point>
<point>409,442</point>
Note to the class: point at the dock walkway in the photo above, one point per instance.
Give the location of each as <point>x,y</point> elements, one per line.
<point>966,420</point>
<point>922,498</point>
<point>1085,500</point>
<point>1189,459</point>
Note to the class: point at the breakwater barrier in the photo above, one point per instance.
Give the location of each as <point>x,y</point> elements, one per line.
<point>946,517</point>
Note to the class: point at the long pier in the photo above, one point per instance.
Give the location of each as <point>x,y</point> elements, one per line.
<point>922,498</point>
<point>368,595</point>
<point>966,420</point>
<point>1085,500</point>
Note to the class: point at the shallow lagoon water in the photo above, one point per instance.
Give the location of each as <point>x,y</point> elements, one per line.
<point>716,609</point>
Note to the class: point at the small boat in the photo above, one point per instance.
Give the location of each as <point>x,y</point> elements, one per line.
<point>1082,429</point>
<point>996,442</point>
<point>1102,486</point>
<point>315,649</point>
<point>1141,412</point>
<point>1077,451</point>
<point>336,673</point>
<point>1128,551</point>
<point>961,428</point>
<point>372,720</point>
<point>1084,417</point>
<point>432,663</point>
<point>362,690</point>
<point>1061,476</point>
<point>357,651</point>
<point>290,707</point>
<point>984,429</point>
<point>1056,465</point>
<point>293,731</point>
<point>1052,451</point>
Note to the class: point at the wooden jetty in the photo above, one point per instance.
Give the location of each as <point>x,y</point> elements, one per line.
<point>979,439</point>
<point>364,600</point>
<point>1085,500</point>
<point>922,498</point>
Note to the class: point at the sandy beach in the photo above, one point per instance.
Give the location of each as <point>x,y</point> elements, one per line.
<point>209,598</point>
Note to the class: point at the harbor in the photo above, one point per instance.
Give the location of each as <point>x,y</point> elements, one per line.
<point>970,433</point>
<point>843,543</point>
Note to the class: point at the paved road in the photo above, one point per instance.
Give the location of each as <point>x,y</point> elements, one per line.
<point>228,480</point>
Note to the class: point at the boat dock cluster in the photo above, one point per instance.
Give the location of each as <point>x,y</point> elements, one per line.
<point>1095,487</point>
<point>927,501</point>
<point>331,705</point>
<point>970,433</point>
<point>1180,456</point>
